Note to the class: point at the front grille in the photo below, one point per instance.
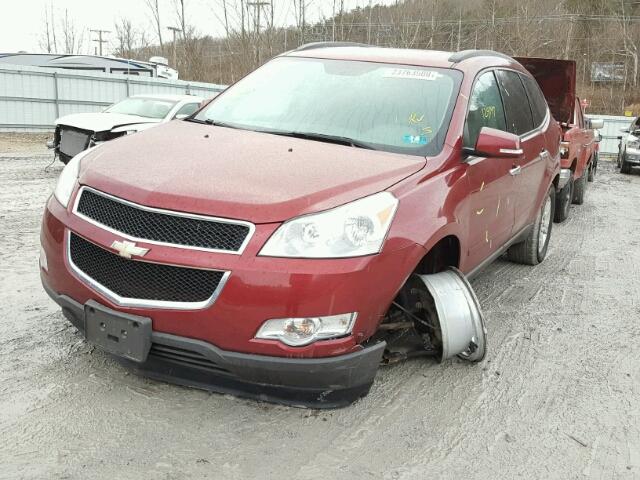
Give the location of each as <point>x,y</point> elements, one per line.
<point>157,226</point>
<point>73,141</point>
<point>133,279</point>
<point>182,356</point>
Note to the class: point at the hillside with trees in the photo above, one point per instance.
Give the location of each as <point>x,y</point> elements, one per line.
<point>602,36</point>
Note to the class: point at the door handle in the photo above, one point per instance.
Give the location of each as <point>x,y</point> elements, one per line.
<point>544,153</point>
<point>515,171</point>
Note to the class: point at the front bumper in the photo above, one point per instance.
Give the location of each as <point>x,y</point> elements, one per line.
<point>325,374</point>
<point>632,158</point>
<point>258,289</point>
<point>329,382</point>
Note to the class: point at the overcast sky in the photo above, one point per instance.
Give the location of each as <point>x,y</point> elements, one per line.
<point>21,21</point>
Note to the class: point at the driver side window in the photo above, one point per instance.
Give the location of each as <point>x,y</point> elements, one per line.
<point>485,109</point>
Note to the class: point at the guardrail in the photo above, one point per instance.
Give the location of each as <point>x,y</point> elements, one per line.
<point>32,98</point>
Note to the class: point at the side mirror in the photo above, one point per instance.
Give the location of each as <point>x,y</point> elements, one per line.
<point>496,143</point>
<point>596,123</point>
<point>624,130</point>
<point>181,116</point>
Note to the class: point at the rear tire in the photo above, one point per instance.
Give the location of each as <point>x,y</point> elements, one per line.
<point>593,169</point>
<point>579,189</point>
<point>533,249</point>
<point>563,202</point>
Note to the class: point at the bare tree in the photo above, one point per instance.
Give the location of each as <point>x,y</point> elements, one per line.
<point>129,40</point>
<point>46,39</point>
<point>72,36</point>
<point>154,8</point>
<point>180,16</point>
<point>629,41</point>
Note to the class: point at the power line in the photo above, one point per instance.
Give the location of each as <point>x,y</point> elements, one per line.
<point>174,30</point>
<point>99,40</point>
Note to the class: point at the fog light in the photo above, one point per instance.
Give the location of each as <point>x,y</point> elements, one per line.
<point>303,331</point>
<point>43,260</point>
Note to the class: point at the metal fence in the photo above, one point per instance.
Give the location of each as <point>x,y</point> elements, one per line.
<point>32,98</point>
<point>611,131</point>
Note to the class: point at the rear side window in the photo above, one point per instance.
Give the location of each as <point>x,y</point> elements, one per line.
<point>536,99</point>
<point>516,103</point>
<point>485,109</point>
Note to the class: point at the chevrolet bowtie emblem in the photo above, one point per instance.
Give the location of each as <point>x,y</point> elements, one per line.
<point>128,249</point>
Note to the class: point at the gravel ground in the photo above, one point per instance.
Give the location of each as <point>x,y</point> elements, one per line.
<point>23,144</point>
<point>558,395</point>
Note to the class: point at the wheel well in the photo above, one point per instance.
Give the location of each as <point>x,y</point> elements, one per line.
<point>574,165</point>
<point>445,253</point>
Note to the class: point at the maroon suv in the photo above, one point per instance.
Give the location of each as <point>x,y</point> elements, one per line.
<point>316,218</point>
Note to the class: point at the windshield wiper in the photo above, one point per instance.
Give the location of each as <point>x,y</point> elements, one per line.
<point>322,138</point>
<point>210,121</point>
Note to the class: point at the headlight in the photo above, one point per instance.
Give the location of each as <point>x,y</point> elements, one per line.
<point>355,229</point>
<point>633,142</point>
<point>297,332</point>
<point>68,178</point>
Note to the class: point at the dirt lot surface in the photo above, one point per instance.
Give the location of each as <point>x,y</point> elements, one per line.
<point>558,395</point>
<point>23,144</point>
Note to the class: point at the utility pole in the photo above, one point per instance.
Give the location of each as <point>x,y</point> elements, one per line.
<point>257,8</point>
<point>99,40</point>
<point>175,59</point>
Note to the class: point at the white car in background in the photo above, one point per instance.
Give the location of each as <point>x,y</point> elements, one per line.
<point>79,131</point>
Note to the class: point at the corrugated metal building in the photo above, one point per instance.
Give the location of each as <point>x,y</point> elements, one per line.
<point>32,98</point>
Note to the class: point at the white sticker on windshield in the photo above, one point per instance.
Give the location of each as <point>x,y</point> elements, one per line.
<point>412,73</point>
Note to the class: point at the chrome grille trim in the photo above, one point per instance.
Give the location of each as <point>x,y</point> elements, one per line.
<point>174,213</point>
<point>137,302</point>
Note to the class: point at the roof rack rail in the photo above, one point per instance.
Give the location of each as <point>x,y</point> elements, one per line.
<point>314,45</point>
<point>465,54</point>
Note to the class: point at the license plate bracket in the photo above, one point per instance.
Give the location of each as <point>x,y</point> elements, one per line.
<point>121,334</point>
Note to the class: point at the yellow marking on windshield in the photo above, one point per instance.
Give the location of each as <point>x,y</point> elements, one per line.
<point>415,118</point>
<point>479,212</point>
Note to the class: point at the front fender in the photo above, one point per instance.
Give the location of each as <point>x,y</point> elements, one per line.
<point>431,207</point>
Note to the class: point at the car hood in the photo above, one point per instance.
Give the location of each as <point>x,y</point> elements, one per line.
<point>239,174</point>
<point>557,79</point>
<point>102,121</point>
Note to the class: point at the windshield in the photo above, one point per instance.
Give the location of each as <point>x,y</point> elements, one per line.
<point>396,108</point>
<point>143,107</point>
